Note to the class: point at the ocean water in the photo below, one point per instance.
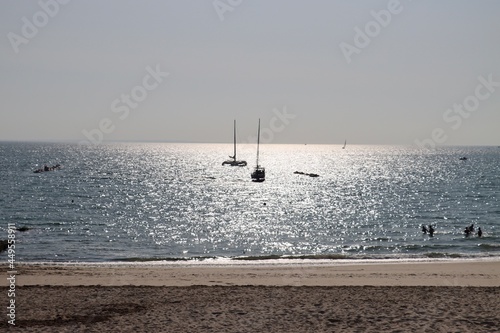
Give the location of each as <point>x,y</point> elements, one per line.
<point>162,201</point>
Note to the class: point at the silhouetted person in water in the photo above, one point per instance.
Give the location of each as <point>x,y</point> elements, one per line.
<point>479,232</point>
<point>424,229</point>
<point>467,231</point>
<point>471,228</point>
<point>431,231</point>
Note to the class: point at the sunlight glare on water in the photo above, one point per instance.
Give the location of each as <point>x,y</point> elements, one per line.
<point>122,201</point>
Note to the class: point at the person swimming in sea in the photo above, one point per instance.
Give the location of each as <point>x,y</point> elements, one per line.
<point>424,229</point>
<point>431,231</point>
<point>479,232</point>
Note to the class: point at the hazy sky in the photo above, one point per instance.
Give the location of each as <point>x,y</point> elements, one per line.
<point>371,72</point>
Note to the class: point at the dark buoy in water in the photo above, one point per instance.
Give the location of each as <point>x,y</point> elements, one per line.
<point>265,204</point>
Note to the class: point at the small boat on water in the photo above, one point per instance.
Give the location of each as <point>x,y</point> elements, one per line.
<point>259,172</point>
<point>313,175</point>
<point>47,168</point>
<point>233,161</point>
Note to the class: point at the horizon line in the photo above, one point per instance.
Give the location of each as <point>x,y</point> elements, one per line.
<point>73,141</point>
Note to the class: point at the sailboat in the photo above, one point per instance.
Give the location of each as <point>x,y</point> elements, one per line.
<point>259,173</point>
<point>345,144</point>
<point>233,161</point>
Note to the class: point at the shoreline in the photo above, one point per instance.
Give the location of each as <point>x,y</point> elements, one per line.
<point>265,261</point>
<point>479,273</point>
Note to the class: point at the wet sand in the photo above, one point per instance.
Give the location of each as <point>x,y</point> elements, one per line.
<point>416,297</point>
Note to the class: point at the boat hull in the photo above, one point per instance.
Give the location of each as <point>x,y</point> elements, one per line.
<point>235,163</point>
<point>258,175</point>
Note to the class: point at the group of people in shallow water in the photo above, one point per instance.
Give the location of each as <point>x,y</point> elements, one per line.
<point>469,230</point>
<point>429,230</point>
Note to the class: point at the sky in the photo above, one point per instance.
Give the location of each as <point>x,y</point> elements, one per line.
<point>318,72</point>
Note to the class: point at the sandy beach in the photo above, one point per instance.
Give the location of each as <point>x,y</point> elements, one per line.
<point>371,297</point>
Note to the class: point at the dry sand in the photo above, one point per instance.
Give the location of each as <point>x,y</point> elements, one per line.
<point>412,297</point>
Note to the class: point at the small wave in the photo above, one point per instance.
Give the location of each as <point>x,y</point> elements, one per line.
<point>443,255</point>
<point>309,257</point>
<point>313,257</point>
<point>238,258</point>
<point>171,259</point>
<point>429,218</point>
<point>377,239</point>
<point>484,246</point>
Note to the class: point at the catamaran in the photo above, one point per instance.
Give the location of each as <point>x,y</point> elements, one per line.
<point>259,172</point>
<point>233,161</point>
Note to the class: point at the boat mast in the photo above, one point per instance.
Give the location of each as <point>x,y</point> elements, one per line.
<point>234,127</point>
<point>258,143</point>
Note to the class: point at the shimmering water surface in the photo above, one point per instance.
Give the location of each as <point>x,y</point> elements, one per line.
<point>167,201</point>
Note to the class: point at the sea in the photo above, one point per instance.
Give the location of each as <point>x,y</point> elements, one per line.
<point>176,202</point>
